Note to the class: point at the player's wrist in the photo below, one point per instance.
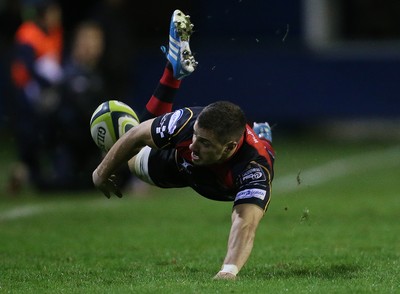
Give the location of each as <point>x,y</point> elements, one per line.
<point>229,268</point>
<point>97,180</point>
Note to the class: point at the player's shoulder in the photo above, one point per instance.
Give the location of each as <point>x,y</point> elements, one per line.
<point>183,115</point>
<point>194,110</point>
<point>174,126</point>
<point>252,172</point>
<point>253,152</point>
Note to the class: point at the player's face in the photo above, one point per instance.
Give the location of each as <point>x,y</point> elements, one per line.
<point>205,147</point>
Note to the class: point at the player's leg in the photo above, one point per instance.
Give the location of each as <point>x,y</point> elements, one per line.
<point>179,53</point>
<point>163,96</point>
<point>180,64</point>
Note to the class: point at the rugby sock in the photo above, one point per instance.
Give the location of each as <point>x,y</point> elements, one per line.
<point>161,101</point>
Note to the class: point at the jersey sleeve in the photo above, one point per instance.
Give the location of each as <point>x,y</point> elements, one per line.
<point>172,127</point>
<point>254,186</point>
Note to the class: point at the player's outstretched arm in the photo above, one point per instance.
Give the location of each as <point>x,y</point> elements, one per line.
<point>245,220</point>
<point>123,150</point>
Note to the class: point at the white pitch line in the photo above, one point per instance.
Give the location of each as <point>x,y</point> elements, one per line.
<point>22,211</point>
<point>336,169</point>
<point>312,177</point>
<point>33,209</point>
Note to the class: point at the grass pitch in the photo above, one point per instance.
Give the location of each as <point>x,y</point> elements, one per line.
<point>337,234</point>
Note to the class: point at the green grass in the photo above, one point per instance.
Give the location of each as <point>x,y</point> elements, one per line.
<point>341,236</point>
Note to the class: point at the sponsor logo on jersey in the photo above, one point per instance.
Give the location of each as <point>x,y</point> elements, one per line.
<point>251,193</point>
<point>254,174</point>
<point>173,120</point>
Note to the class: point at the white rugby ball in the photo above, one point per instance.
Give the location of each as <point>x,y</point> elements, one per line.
<point>110,121</point>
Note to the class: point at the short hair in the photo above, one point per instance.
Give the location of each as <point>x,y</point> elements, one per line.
<point>226,119</point>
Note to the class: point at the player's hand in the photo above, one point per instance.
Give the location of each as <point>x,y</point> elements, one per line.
<point>224,276</point>
<point>108,186</point>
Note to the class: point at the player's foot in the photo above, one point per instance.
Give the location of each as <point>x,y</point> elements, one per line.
<point>263,130</point>
<point>179,53</point>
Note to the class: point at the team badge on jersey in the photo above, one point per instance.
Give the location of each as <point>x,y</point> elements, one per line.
<point>161,128</point>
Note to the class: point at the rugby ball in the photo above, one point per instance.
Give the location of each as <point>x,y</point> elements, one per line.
<point>110,121</point>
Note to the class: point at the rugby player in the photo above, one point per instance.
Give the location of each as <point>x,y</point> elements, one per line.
<point>211,149</point>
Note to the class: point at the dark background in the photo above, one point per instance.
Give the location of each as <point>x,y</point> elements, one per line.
<point>253,53</point>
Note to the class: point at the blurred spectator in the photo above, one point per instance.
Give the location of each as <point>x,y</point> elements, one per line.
<point>81,91</point>
<point>10,20</point>
<point>116,18</point>
<point>35,72</point>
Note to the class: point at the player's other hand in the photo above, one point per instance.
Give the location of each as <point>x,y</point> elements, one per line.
<point>108,186</point>
<point>224,276</point>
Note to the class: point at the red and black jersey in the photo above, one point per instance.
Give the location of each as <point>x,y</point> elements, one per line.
<point>244,178</point>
